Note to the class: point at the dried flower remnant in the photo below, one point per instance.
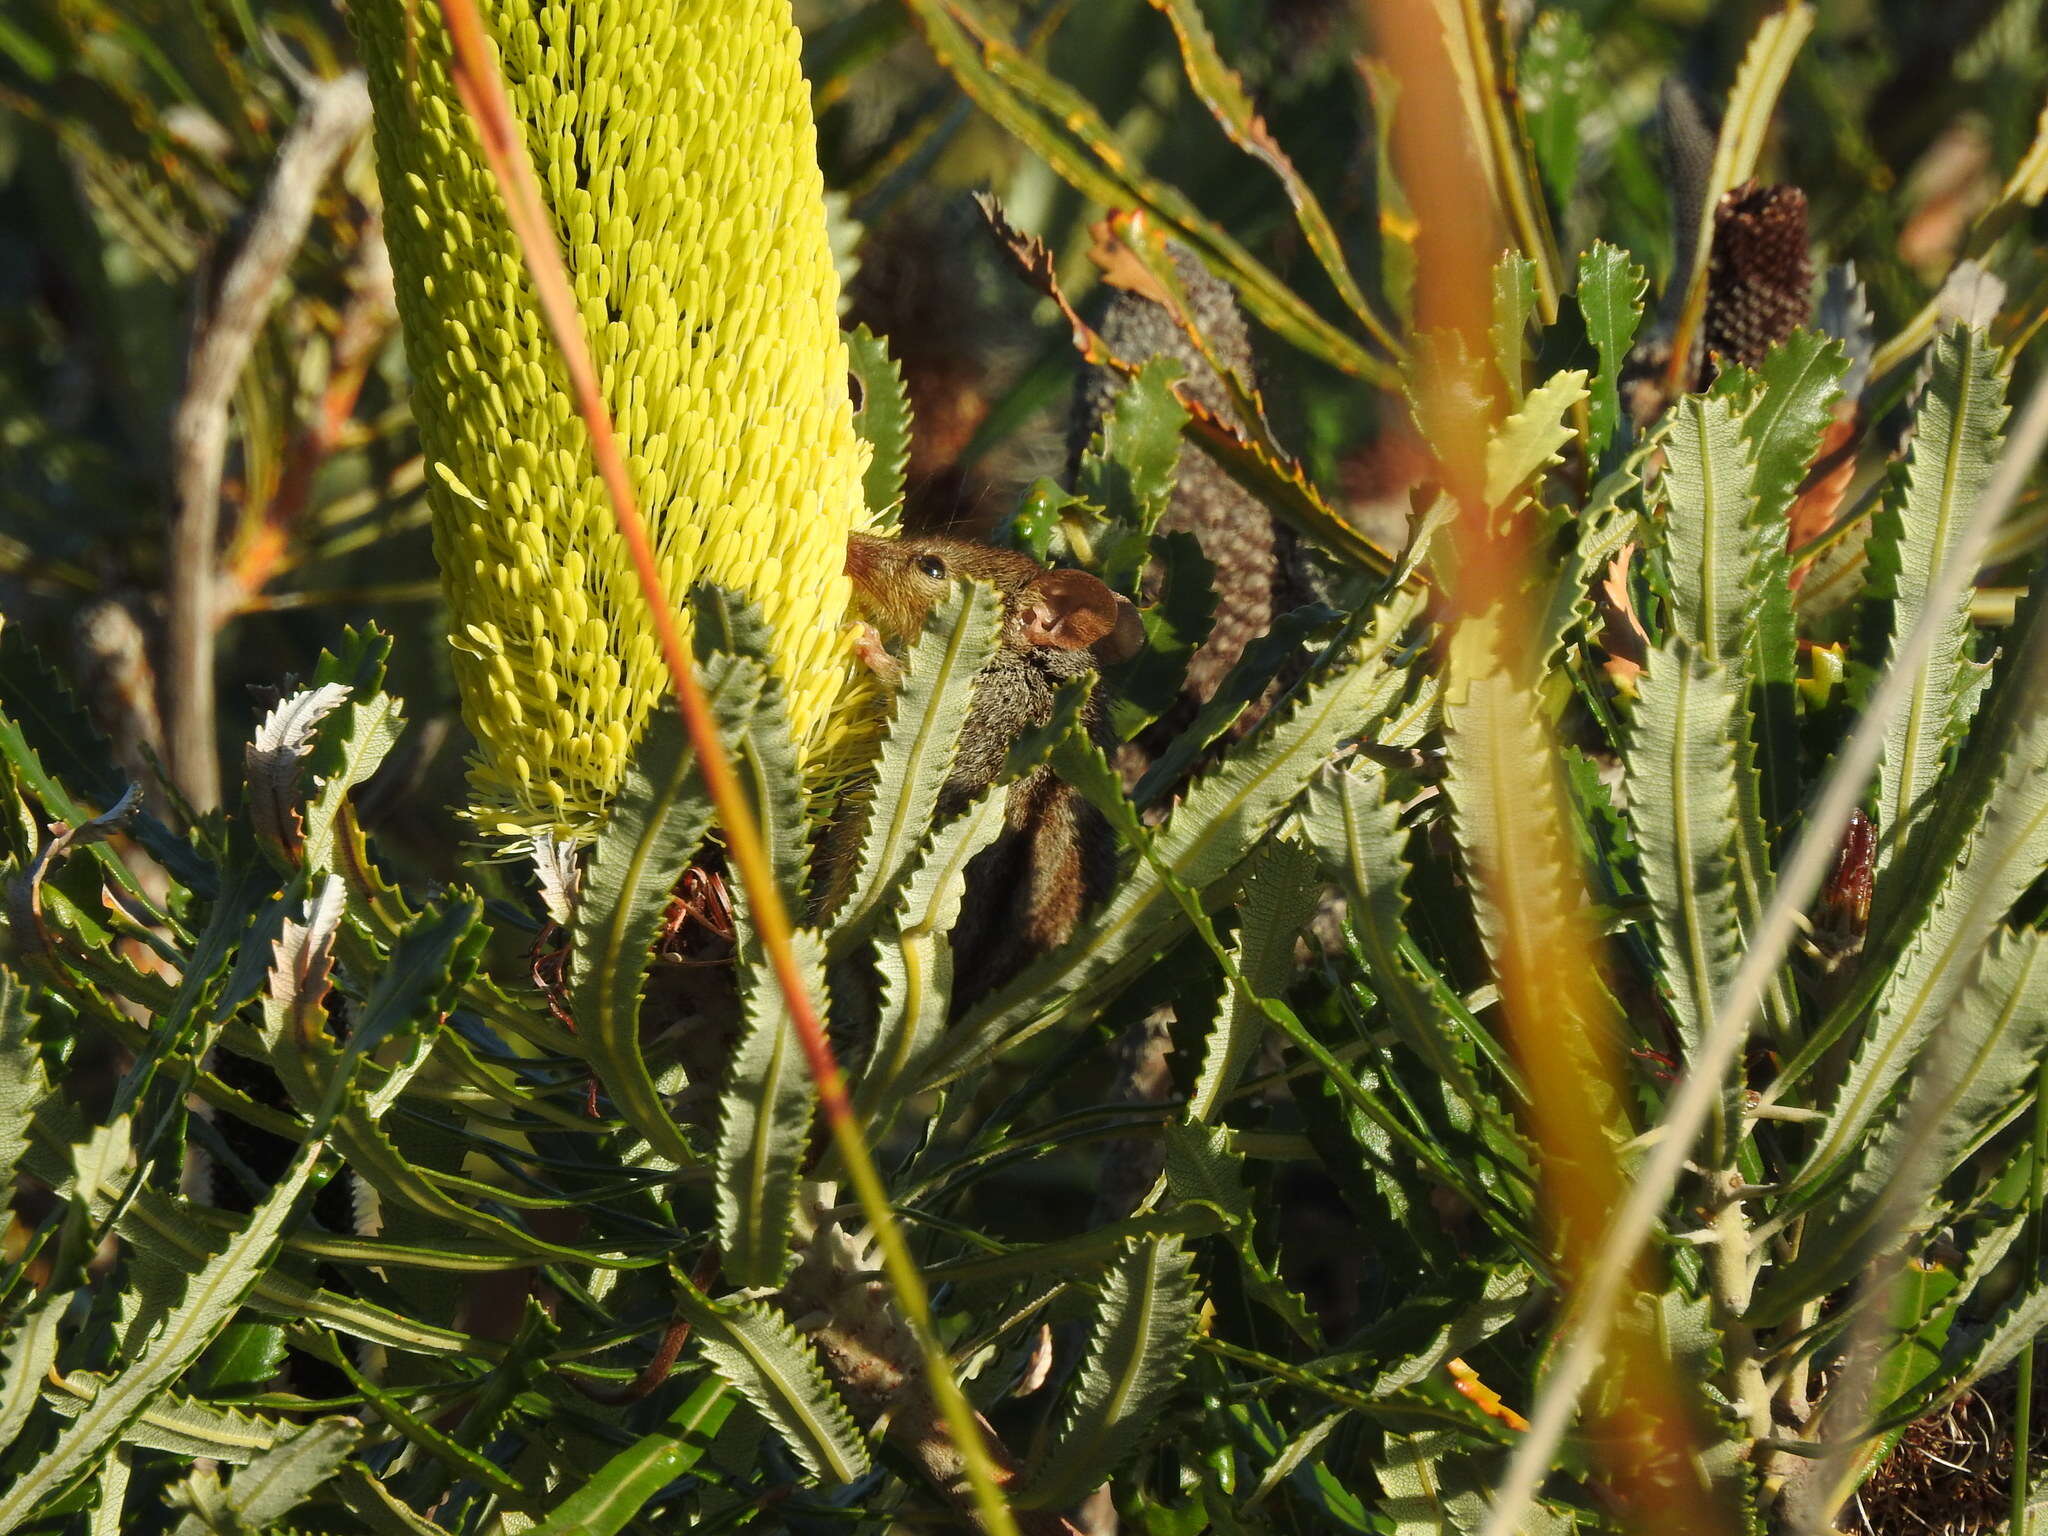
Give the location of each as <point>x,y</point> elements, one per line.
<point>1759,272</point>
<point>676,149</point>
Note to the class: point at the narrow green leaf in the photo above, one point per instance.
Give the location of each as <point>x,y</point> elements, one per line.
<point>882,422</point>
<point>765,1126</point>
<point>914,958</point>
<point>1137,1350</point>
<point>1972,1073</point>
<point>1224,95</point>
<point>652,832</point>
<point>1798,385</point>
<point>1553,76</point>
<point>620,1489</point>
<point>1221,818</point>
<point>393,1408</point>
<point>1514,307</point>
<point>1681,793</point>
<point>1061,125</point>
<point>1282,889</point>
<point>1713,547</point>
<point>754,1348</point>
<point>1956,444</point>
<point>763,752</point>
<point>1610,296</point>
<point>916,759</point>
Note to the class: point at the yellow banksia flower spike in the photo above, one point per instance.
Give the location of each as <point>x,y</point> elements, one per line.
<point>674,144</point>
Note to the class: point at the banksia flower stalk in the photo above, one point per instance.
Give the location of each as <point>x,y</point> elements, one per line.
<point>674,144</point>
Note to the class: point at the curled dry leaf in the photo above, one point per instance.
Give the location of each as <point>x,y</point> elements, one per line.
<point>25,892</point>
<point>560,873</point>
<point>1622,633</point>
<point>302,955</point>
<point>274,759</point>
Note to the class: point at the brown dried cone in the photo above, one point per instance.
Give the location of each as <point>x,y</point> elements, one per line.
<point>1759,273</point>
<point>1251,554</point>
<point>1759,266</point>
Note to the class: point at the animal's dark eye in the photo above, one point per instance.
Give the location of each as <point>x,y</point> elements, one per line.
<point>932,566</point>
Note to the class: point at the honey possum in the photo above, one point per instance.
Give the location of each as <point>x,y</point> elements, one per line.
<point>1055,855</point>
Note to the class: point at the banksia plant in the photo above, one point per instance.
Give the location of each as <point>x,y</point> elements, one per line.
<point>675,148</point>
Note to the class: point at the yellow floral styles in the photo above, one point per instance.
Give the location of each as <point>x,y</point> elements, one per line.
<point>674,145</point>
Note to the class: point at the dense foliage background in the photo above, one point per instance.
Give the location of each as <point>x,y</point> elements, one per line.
<point>1329,1293</point>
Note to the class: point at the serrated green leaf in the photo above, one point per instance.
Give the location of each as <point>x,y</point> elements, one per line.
<point>764,752</point>
<point>916,758</point>
<point>1798,385</point>
<point>1601,530</point>
<point>765,1125</point>
<point>1222,816</point>
<point>1529,441</point>
<point>882,422</point>
<point>1129,469</point>
<point>181,1425</point>
<point>1979,1064</point>
<point>914,958</point>
<point>1713,547</point>
<point>353,744</point>
<point>1681,793</point>
<point>1200,1165</point>
<point>1956,445</point>
<point>23,1082</point>
<point>209,1299</point>
<point>1137,1351</point>
<point>1282,889</point>
<point>1610,294</point>
<point>27,1352</point>
<point>1355,825</point>
<point>753,1348</point>
<point>1514,307</point>
<point>282,1478</point>
<point>653,830</point>
<point>1722,565</point>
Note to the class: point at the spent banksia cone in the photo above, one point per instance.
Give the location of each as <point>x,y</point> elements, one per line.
<point>674,145</point>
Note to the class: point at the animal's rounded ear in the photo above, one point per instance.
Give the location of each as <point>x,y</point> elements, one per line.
<point>1069,610</point>
<point>1126,639</point>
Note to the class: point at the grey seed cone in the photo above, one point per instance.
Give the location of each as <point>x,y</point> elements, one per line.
<point>1236,533</point>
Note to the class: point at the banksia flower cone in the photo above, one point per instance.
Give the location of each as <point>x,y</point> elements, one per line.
<point>674,144</point>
